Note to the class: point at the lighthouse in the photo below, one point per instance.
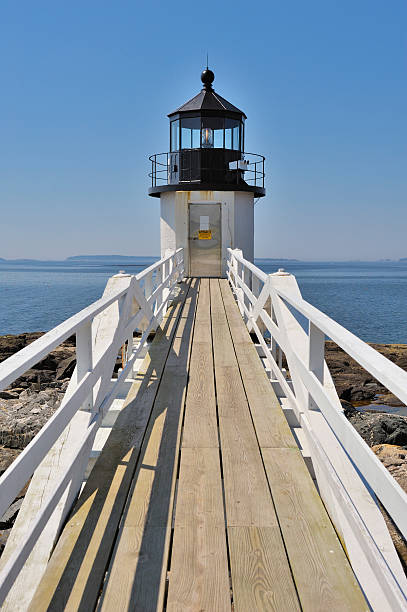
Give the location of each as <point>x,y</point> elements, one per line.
<point>207,183</point>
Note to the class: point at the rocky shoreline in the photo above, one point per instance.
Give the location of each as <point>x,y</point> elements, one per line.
<point>30,401</point>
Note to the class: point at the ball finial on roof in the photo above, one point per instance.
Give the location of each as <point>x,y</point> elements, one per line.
<point>207,78</point>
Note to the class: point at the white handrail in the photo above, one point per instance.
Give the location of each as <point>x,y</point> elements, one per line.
<point>137,304</point>
<point>384,370</point>
<point>267,303</point>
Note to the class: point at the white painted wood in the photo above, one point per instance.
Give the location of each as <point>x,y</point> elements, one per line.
<point>388,373</point>
<point>316,357</point>
<point>84,358</point>
<point>391,594</point>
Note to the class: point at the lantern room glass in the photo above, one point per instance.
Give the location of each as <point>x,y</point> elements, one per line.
<point>174,135</point>
<point>207,133</point>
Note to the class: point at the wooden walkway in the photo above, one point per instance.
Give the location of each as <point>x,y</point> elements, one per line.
<point>200,499</point>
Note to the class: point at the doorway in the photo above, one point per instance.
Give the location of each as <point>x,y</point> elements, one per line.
<point>205,240</point>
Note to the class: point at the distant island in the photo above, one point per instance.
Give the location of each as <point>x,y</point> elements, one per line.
<point>276,259</point>
<point>109,257</point>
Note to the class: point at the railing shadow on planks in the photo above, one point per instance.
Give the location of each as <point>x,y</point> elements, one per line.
<point>350,477</point>
<point>129,303</point>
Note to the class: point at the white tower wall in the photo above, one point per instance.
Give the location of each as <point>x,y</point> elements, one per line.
<point>237,209</point>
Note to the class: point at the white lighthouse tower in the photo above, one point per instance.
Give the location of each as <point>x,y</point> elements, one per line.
<point>207,183</point>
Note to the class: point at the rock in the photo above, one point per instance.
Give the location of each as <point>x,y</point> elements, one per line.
<point>348,409</point>
<point>394,458</point>
<point>4,534</point>
<point>66,368</point>
<point>353,383</point>
<point>380,428</point>
<point>388,399</point>
<point>8,518</point>
<point>11,344</point>
<point>7,456</point>
<point>8,395</point>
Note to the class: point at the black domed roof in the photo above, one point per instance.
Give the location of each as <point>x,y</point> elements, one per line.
<point>207,99</point>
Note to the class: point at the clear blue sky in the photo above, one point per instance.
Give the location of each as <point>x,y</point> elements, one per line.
<point>86,87</point>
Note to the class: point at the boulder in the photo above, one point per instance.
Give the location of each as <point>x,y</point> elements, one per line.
<point>65,368</point>
<point>8,518</point>
<point>8,395</point>
<point>394,458</point>
<point>380,428</point>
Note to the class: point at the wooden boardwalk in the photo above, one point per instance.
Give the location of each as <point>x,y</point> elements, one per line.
<point>200,499</point>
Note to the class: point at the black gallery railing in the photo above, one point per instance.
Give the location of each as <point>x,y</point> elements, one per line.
<point>221,166</point>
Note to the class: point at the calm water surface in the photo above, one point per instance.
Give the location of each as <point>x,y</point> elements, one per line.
<point>368,298</point>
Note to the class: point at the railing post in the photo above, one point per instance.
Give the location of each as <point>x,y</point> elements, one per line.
<point>247,279</point>
<point>148,286</point>
<point>167,271</point>
<point>239,273</point>
<point>159,299</point>
<point>84,359</point>
<point>316,355</point>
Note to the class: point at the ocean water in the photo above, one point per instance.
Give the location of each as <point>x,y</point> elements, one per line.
<point>369,298</point>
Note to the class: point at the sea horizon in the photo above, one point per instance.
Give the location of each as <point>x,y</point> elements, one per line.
<point>73,258</point>
<point>366,297</point>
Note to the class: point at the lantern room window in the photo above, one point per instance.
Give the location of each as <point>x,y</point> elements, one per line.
<point>232,134</point>
<point>175,135</point>
<point>206,133</point>
<point>212,132</point>
<point>190,132</point>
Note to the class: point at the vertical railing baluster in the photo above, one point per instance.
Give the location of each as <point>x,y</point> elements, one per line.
<point>256,293</point>
<point>159,300</point>
<point>148,285</point>
<point>316,355</point>
<point>84,359</point>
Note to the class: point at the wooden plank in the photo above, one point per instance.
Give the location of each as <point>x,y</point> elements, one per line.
<point>199,497</point>
<point>247,495</point>
<point>133,576</point>
<point>222,341</point>
<point>203,314</point>
<point>261,576</point>
<point>200,425</point>
<point>199,574</point>
<point>322,574</point>
<point>78,565</point>
<point>270,423</point>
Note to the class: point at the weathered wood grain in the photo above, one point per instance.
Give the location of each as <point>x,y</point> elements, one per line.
<point>322,574</point>
<point>261,576</point>
<point>199,574</point>
<point>200,424</point>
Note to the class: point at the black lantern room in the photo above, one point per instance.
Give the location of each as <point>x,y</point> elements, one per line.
<point>207,148</point>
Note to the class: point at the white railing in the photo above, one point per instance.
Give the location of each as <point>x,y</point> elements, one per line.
<point>272,307</point>
<point>129,303</point>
